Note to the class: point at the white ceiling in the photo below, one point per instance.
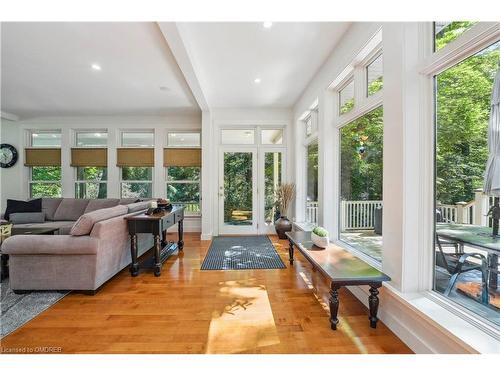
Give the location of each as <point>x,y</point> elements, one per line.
<point>46,70</point>
<point>228,57</point>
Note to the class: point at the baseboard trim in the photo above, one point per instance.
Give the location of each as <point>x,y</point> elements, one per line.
<point>206,236</point>
<point>420,332</point>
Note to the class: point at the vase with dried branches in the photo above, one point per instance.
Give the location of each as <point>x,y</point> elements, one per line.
<point>284,194</point>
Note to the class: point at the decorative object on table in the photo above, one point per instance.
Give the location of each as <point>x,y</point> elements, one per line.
<point>8,155</point>
<point>492,174</point>
<point>319,237</point>
<point>285,194</point>
<point>164,204</point>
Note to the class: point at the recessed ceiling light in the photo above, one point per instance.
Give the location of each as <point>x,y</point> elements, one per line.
<point>257,80</point>
<point>182,139</point>
<point>267,25</point>
<point>96,66</point>
<point>164,88</point>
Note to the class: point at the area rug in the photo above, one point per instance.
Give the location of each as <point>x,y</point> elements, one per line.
<point>242,253</point>
<point>18,309</point>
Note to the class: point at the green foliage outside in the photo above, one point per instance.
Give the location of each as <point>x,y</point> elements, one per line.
<point>463,107</point>
<point>375,86</point>
<point>272,179</point>
<point>137,189</point>
<point>49,184</point>
<point>184,187</point>
<point>94,188</point>
<point>451,32</point>
<point>238,188</point>
<point>361,146</point>
<point>312,172</point>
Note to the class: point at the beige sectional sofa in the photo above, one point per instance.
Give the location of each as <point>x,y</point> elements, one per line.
<point>93,245</point>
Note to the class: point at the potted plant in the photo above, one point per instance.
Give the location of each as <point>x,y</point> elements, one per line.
<point>284,195</point>
<point>319,237</point>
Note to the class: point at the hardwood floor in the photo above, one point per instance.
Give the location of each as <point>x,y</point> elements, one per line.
<point>187,310</point>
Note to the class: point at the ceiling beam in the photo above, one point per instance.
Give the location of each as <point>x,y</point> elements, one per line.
<point>9,116</point>
<point>172,35</point>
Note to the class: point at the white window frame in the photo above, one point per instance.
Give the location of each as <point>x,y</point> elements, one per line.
<point>76,132</point>
<point>191,182</point>
<point>355,72</point>
<point>475,39</point>
<point>181,132</point>
<point>148,131</point>
<point>122,181</point>
<point>77,181</point>
<point>30,133</point>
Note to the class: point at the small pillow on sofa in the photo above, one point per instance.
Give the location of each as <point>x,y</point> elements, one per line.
<point>136,207</point>
<point>86,222</point>
<point>14,206</point>
<point>27,217</point>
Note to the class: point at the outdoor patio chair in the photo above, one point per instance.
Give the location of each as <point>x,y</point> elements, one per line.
<point>457,264</point>
<point>459,248</point>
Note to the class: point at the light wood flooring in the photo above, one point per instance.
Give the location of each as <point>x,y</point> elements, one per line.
<point>187,310</point>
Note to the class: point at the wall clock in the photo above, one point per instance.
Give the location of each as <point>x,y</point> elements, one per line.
<point>8,155</point>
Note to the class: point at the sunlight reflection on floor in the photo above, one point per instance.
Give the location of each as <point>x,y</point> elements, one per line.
<point>245,323</point>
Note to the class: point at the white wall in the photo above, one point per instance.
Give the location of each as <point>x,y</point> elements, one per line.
<point>212,121</point>
<point>407,306</point>
<point>14,180</point>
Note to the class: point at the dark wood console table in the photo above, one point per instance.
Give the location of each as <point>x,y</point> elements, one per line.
<point>157,225</point>
<point>342,269</point>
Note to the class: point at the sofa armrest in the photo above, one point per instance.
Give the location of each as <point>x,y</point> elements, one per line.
<point>53,245</point>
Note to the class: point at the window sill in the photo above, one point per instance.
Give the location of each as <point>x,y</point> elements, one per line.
<point>473,335</point>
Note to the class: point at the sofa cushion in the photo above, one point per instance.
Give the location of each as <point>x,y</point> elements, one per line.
<point>49,206</point>
<point>126,201</point>
<point>27,217</point>
<point>14,206</point>
<point>86,222</point>
<point>71,209</point>
<point>97,204</point>
<point>139,206</point>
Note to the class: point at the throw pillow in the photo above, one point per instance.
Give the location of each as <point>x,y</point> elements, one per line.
<point>27,217</point>
<point>14,206</point>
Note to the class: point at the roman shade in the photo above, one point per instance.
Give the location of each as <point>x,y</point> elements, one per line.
<point>89,157</point>
<point>135,157</point>
<point>182,157</point>
<point>42,157</point>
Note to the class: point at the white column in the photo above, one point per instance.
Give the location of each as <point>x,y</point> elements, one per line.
<point>209,175</point>
<point>403,213</point>
<point>113,170</point>
<point>159,187</point>
<point>67,172</point>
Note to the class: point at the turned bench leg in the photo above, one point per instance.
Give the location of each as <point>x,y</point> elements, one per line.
<point>290,252</point>
<point>373,302</point>
<point>334,306</point>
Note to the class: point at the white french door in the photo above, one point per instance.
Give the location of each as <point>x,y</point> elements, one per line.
<point>248,178</point>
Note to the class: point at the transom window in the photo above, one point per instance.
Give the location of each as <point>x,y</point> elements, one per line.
<point>447,31</point>
<point>137,138</point>
<point>346,97</point>
<point>374,74</point>
<point>45,138</point>
<point>91,138</point>
<point>184,139</point>
<point>238,136</point>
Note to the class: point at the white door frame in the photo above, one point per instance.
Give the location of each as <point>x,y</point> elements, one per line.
<point>263,227</point>
<point>238,229</point>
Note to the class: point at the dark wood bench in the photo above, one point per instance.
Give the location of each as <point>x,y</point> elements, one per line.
<point>342,268</point>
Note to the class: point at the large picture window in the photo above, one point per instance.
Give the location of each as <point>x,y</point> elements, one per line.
<point>361,172</point>
<point>136,182</point>
<point>183,187</point>
<point>312,183</point>
<point>466,262</point>
<point>45,182</point>
<point>91,182</point>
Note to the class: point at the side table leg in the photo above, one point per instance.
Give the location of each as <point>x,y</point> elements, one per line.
<point>134,268</point>
<point>181,234</point>
<point>373,302</point>
<point>290,252</point>
<point>334,306</point>
<point>157,251</point>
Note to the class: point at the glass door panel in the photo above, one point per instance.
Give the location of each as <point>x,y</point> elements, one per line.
<point>237,192</point>
<point>271,172</point>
